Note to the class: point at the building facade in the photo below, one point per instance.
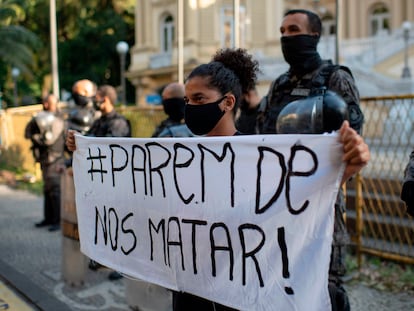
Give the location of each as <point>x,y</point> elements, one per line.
<point>167,46</point>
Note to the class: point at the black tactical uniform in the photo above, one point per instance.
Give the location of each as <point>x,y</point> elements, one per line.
<point>407,192</point>
<point>246,122</point>
<point>111,125</point>
<point>165,124</point>
<point>46,131</point>
<point>288,88</point>
<point>174,108</point>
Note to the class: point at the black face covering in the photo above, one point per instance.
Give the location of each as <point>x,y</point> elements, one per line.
<point>174,108</point>
<point>201,119</point>
<point>97,103</point>
<point>300,52</point>
<point>81,100</point>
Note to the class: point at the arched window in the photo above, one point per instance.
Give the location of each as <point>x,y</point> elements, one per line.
<point>167,34</point>
<point>379,20</point>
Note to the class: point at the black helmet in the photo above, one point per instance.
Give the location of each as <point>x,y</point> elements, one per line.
<point>322,111</point>
<point>81,119</point>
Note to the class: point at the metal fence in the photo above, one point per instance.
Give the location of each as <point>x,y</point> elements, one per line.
<point>376,216</point>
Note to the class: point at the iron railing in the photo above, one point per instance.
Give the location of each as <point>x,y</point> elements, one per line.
<point>376,216</point>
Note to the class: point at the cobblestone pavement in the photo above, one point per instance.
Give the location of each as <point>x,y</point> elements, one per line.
<point>31,262</point>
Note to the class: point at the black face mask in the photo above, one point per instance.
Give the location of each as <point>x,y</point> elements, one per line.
<point>174,108</point>
<point>300,52</point>
<point>81,100</point>
<point>201,119</point>
<point>97,103</point>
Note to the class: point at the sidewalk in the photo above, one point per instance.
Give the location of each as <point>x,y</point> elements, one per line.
<point>30,262</point>
<point>30,265</point>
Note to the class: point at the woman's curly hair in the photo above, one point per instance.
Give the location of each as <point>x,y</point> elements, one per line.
<point>241,63</point>
<point>231,70</point>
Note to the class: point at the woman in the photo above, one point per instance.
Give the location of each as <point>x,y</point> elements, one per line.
<point>213,92</point>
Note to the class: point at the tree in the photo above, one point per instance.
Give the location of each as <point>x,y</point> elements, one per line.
<point>18,44</point>
<point>87,31</point>
<point>89,49</point>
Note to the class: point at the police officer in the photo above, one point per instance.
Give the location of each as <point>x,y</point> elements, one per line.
<point>110,124</point>
<point>307,75</point>
<point>82,114</point>
<point>301,31</point>
<point>247,112</point>
<point>173,104</point>
<point>407,191</point>
<point>46,131</point>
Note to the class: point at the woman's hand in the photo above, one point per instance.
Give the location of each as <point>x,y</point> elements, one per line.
<point>70,140</point>
<point>356,151</point>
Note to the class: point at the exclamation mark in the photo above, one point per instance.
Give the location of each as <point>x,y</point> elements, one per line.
<point>285,260</point>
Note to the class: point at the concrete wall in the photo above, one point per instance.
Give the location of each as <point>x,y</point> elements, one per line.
<point>16,149</point>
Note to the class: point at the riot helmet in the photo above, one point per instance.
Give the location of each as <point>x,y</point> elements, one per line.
<point>44,121</point>
<point>81,120</point>
<point>322,111</point>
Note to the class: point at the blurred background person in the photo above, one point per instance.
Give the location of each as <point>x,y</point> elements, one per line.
<point>173,104</point>
<point>110,124</point>
<point>82,113</point>
<point>46,131</point>
<point>247,112</point>
<point>407,191</point>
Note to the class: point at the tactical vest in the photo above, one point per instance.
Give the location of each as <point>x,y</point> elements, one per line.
<point>286,89</point>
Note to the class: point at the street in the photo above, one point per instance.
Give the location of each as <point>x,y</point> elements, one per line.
<point>30,269</point>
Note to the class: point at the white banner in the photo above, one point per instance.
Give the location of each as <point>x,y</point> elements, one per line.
<point>246,221</point>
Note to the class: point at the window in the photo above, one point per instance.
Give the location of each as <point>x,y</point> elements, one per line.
<point>328,25</point>
<point>227,27</point>
<point>167,34</point>
<point>379,20</point>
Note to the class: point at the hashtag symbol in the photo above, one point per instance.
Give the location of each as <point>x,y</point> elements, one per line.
<point>92,160</point>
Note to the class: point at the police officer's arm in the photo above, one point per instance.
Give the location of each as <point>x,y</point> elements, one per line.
<point>343,84</point>
<point>28,131</point>
<point>32,132</point>
<point>407,192</point>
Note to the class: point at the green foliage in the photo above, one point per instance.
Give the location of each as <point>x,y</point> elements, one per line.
<point>18,46</point>
<point>18,42</point>
<point>87,32</point>
<point>382,274</point>
<point>143,122</point>
<point>91,54</point>
<point>87,42</point>
<point>12,159</point>
<point>35,188</point>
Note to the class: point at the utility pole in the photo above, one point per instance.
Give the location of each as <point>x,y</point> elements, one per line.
<point>53,48</point>
<point>180,41</point>
<point>236,16</point>
<point>337,30</point>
